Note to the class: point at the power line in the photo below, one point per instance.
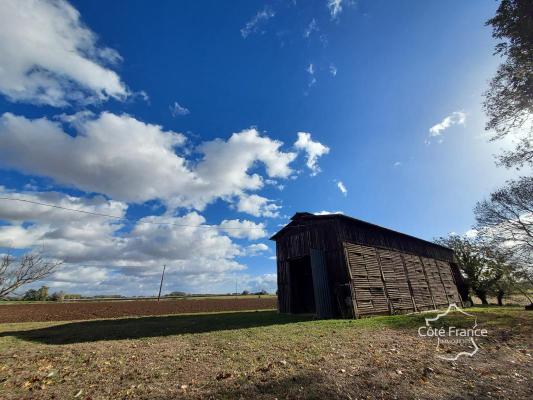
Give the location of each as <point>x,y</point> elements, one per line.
<point>127,219</point>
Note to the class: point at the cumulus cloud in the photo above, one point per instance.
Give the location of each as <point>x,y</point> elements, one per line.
<point>100,256</point>
<point>313,149</point>
<point>50,57</point>
<point>397,164</point>
<point>32,223</point>
<point>258,20</point>
<point>97,249</point>
<point>342,188</point>
<point>177,110</point>
<point>243,229</point>
<point>258,206</point>
<point>455,118</point>
<point>266,282</point>
<point>133,161</point>
<point>256,249</point>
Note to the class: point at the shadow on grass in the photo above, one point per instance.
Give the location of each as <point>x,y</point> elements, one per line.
<point>146,327</point>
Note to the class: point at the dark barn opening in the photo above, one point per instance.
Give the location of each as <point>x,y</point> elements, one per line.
<point>337,266</point>
<point>301,281</point>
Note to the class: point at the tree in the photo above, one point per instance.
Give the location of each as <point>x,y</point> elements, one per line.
<point>505,220</point>
<point>30,267</point>
<point>40,294</point>
<point>481,267</point>
<point>58,296</point>
<point>509,99</point>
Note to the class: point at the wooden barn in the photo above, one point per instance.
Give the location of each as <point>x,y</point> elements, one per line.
<point>337,266</point>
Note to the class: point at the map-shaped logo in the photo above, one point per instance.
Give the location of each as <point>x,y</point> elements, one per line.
<point>456,332</point>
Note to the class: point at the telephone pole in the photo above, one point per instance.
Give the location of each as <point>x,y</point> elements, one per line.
<point>161,285</point>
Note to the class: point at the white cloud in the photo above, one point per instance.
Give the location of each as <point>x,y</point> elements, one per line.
<point>342,188</point>
<point>313,149</point>
<point>99,251</point>
<point>333,70</point>
<point>70,230</point>
<point>312,78</point>
<point>312,27</point>
<point>243,229</point>
<point>256,249</point>
<point>397,164</point>
<point>258,206</point>
<point>49,57</point>
<point>257,21</point>
<point>133,161</point>
<point>455,118</point>
<point>177,110</point>
<point>82,274</point>
<point>335,8</point>
<point>324,212</point>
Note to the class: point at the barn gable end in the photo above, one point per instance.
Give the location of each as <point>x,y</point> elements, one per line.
<point>363,269</point>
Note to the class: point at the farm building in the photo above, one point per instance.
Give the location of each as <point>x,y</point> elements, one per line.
<point>337,266</point>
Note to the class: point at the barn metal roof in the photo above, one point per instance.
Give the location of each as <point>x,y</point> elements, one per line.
<point>305,216</point>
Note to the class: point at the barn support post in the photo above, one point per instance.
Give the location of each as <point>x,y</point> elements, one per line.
<point>352,291</point>
<point>429,284</point>
<point>411,292</point>
<point>391,307</point>
<point>456,286</point>
<point>443,285</point>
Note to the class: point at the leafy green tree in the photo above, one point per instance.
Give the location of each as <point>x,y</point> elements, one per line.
<point>480,266</point>
<point>40,294</point>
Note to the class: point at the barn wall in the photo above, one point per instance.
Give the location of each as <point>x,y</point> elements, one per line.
<point>386,281</point>
<point>297,243</point>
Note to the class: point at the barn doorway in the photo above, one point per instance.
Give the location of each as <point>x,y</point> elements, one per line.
<point>301,286</point>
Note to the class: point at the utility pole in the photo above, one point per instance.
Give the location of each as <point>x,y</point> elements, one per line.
<point>161,285</point>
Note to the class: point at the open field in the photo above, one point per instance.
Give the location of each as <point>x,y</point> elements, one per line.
<point>261,355</point>
<point>514,299</point>
<point>50,311</point>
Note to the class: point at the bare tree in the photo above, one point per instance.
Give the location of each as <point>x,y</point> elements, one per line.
<point>26,269</point>
<point>505,220</point>
<point>509,99</point>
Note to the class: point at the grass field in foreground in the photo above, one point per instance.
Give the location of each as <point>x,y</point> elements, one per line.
<point>261,355</point>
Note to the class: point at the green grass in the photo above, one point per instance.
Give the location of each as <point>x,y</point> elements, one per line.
<point>158,326</point>
<point>260,354</point>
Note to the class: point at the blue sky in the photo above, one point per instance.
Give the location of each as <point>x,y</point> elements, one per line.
<point>130,111</point>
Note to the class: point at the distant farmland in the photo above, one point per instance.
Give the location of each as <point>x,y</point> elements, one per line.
<point>70,311</point>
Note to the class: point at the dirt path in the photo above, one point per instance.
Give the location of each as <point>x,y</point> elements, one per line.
<point>116,309</point>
